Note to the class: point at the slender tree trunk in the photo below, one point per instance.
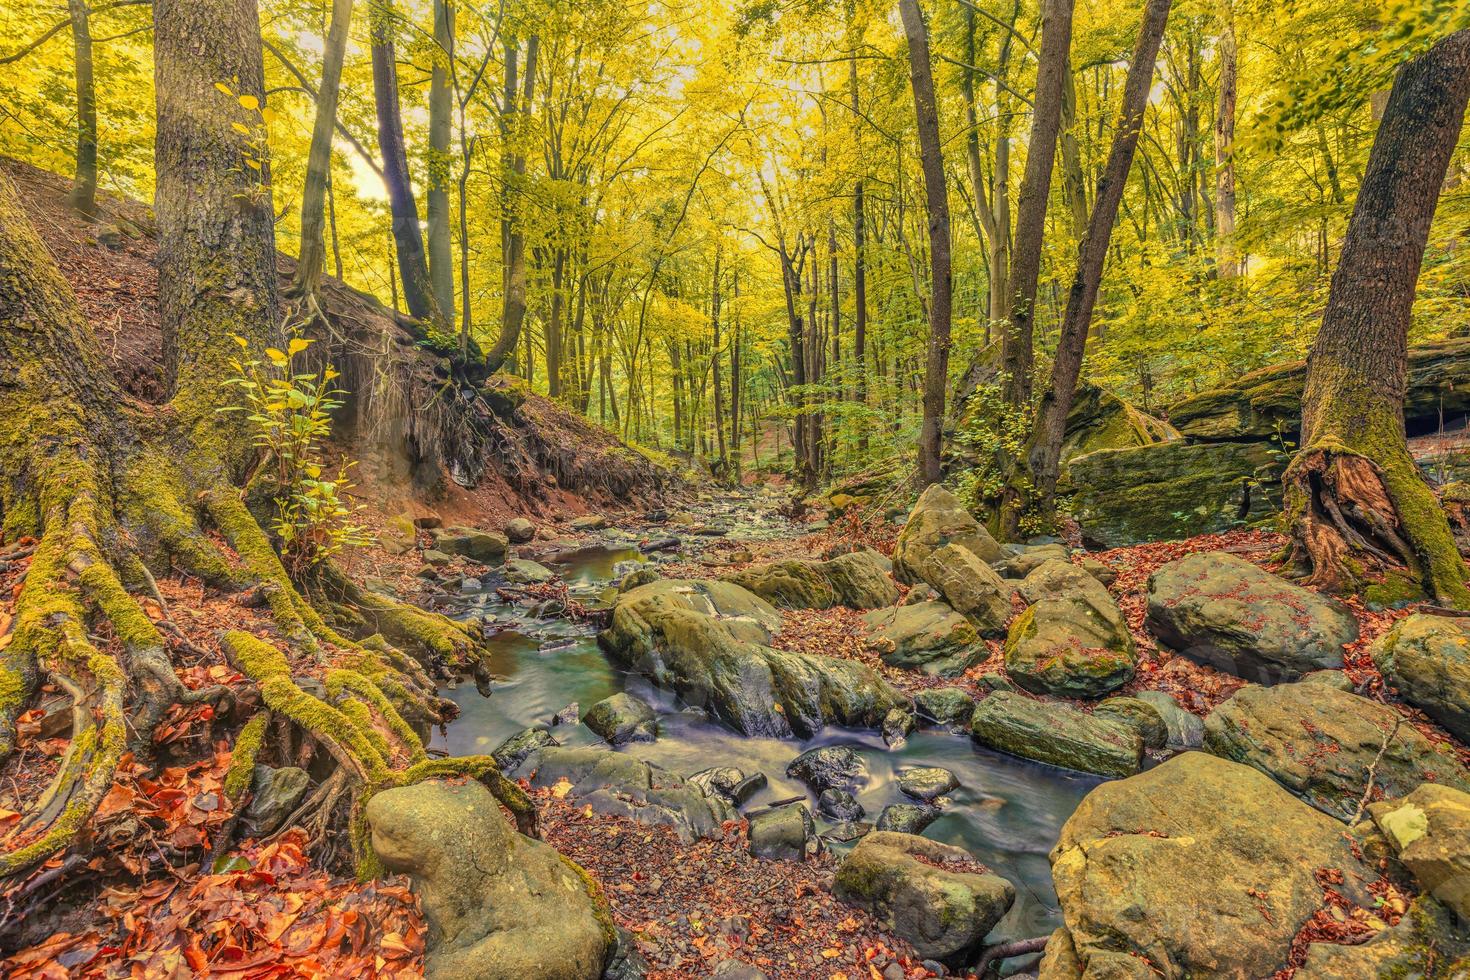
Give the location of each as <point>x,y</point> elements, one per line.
<point>312,255</point>
<point>83,196</point>
<point>408,242</point>
<point>554,351</point>
<point>936,364</point>
<point>1056,402</point>
<point>516,102</point>
<point>1016,355</point>
<point>1227,263</point>
<point>1074,181</point>
<point>441,263</point>
<point>1354,495</point>
<point>715,355</point>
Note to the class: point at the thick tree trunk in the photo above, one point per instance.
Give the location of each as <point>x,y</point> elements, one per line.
<point>515,103</point>
<point>408,241</point>
<point>936,362</point>
<point>216,237</point>
<point>312,255</point>
<point>1227,263</point>
<point>1355,498</point>
<point>1051,422</point>
<point>441,265</point>
<point>1016,355</point>
<point>83,195</point>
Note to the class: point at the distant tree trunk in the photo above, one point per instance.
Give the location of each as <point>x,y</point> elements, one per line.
<point>1074,181</point>
<point>1051,422</point>
<point>936,364</point>
<point>859,309</point>
<point>554,346</point>
<point>737,394</point>
<point>1227,263</point>
<point>312,255</point>
<point>1051,73</point>
<point>83,196</point>
<point>441,263</point>
<point>516,100</point>
<point>1354,495</point>
<point>207,203</point>
<point>408,242</point>
<point>715,365</point>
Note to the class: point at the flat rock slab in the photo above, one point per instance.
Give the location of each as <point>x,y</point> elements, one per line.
<point>1320,743</point>
<point>620,784</point>
<point>1427,658</point>
<point>1056,734</point>
<point>1197,868</point>
<point>929,636</point>
<point>970,586</point>
<point>1229,614</point>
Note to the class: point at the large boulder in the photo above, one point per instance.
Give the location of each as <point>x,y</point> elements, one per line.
<point>1325,745</point>
<point>970,586</point>
<point>933,895</point>
<point>1072,643</point>
<point>1429,941</point>
<point>622,718</point>
<point>705,641</point>
<point>485,547</point>
<point>499,906</point>
<point>1197,868</point>
<point>856,579</point>
<point>783,833</point>
<point>622,785</point>
<point>1430,830</point>
<point>1186,730</point>
<point>945,706</point>
<point>1056,734</point>
<point>1057,577</point>
<point>1173,489</point>
<point>1225,612</point>
<point>1427,658</point>
<point>938,519</point>
<point>929,636</point>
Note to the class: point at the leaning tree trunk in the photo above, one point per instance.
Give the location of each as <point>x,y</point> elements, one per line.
<point>1045,445</point>
<point>101,492</point>
<point>936,363</point>
<point>313,250</point>
<point>1355,498</point>
<point>83,195</point>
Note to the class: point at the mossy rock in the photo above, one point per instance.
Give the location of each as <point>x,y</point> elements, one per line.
<point>929,636</point>
<point>938,519</point>
<point>1056,734</point>
<point>1074,645</point>
<point>1427,659</point>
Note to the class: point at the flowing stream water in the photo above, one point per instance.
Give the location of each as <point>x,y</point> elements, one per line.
<point>1008,812</point>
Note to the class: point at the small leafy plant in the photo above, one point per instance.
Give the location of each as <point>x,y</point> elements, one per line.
<point>290,412</point>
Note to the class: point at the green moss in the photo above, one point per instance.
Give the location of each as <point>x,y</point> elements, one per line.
<point>131,625</point>
<point>22,519</point>
<point>242,757</point>
<point>256,658</point>
<point>601,910</point>
<point>1398,589</point>
<point>340,682</point>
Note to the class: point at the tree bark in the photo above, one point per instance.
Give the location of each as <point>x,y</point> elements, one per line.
<point>1227,263</point>
<point>83,196</point>
<point>408,241</point>
<point>936,190</point>
<point>441,264</point>
<point>1355,498</point>
<point>515,103</point>
<point>312,255</point>
<point>1051,422</point>
<point>1051,72</point>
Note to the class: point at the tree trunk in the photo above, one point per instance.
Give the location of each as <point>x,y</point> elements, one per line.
<point>1355,498</point>
<point>1227,263</point>
<point>715,355</point>
<point>1051,423</point>
<point>83,196</point>
<point>554,345</point>
<point>408,242</point>
<point>516,102</point>
<point>936,364</point>
<point>1051,73</point>
<point>312,254</point>
<point>441,264</point>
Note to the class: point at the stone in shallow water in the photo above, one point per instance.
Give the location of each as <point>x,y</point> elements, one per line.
<point>623,785</point>
<point>1056,733</point>
<point>1227,613</point>
<point>511,753</point>
<point>1321,744</point>
<point>523,571</point>
<point>828,767</point>
<point>907,818</point>
<point>622,718</point>
<point>945,912</point>
<point>945,705</point>
<point>839,804</point>
<point>784,833</point>
<point>927,783</point>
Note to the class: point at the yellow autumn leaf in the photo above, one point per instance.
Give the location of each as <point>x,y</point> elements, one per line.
<point>237,127</point>
<point>249,102</point>
<point>297,345</point>
<point>223,88</point>
<point>277,356</point>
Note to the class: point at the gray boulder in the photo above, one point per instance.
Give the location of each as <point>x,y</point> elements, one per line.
<point>1324,744</point>
<point>1186,730</point>
<point>1197,868</point>
<point>1056,734</point>
<point>938,519</point>
<point>1427,658</point>
<point>970,586</point>
<point>484,547</point>
<point>1055,577</point>
<point>931,895</point>
<point>497,904</point>
<point>1143,716</point>
<point>951,706</point>
<point>856,580</point>
<point>519,530</point>
<point>839,805</point>
<point>927,783</point>
<point>784,833</point>
<point>1029,557</point>
<point>704,640</point>
<point>1429,829</point>
<point>929,636</point>
<point>829,767</point>
<point>622,785</point>
<point>514,751</point>
<point>275,795</point>
<point>907,818</point>
<point>1227,613</point>
<point>523,571</point>
<point>622,718</point>
<point>730,782</point>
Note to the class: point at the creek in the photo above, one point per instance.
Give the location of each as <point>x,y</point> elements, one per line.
<point>1007,812</point>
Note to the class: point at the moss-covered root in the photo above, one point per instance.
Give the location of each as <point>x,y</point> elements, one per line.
<point>1349,512</point>
<point>435,641</point>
